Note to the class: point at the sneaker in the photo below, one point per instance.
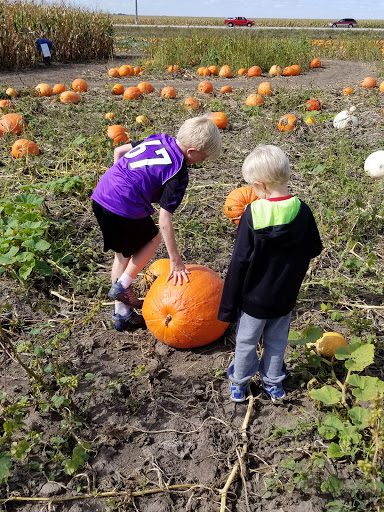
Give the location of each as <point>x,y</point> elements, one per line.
<point>238,393</point>
<point>275,392</point>
<point>125,295</point>
<point>124,322</point>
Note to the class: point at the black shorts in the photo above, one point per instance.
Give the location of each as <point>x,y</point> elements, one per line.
<point>123,235</point>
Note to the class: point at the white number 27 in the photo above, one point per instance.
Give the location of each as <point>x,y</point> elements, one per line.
<point>162,157</point>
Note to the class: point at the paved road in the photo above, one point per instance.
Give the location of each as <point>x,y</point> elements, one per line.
<point>251,28</point>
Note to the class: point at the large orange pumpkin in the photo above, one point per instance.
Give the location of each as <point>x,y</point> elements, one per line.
<point>288,71</point>
<point>126,70</point>
<point>213,70</point>
<point>79,85</point>
<point>185,316</point>
<point>237,201</point>
<point>118,133</point>
<point>316,63</point>
<point>313,104</point>
<point>369,82</point>
<point>145,87</point>
<point>265,89</point>
<point>168,92</point>
<point>253,100</point>
<point>13,123</point>
<point>205,87</point>
<point>132,93</point>
<point>296,69</point>
<point>225,71</point>
<point>70,97</point>
<point>43,90</point>
<point>219,118</point>
<point>254,71</point>
<point>287,122</point>
<point>58,88</point>
<point>191,103</point>
<point>24,147</point>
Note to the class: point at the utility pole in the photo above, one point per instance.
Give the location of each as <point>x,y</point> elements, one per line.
<point>136,17</point>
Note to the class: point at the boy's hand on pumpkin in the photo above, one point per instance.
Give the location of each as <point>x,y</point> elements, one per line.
<point>178,276</point>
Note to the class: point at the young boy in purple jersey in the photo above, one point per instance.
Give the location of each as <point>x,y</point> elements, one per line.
<point>276,238</point>
<point>150,171</point>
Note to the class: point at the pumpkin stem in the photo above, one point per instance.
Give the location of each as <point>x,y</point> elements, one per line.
<point>167,320</point>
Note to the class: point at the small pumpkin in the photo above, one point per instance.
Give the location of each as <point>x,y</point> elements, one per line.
<point>345,119</point>
<point>374,165</point>
<point>253,100</point>
<point>173,68</point>
<point>219,118</point>
<point>226,89</point>
<point>313,104</point>
<point>142,120</point>
<point>185,316</point>
<point>203,71</point>
<point>242,72</point>
<point>132,93</point>
<point>225,71</point>
<point>118,133</point>
<point>347,91</point>
<point>254,71</point>
<point>113,72</point>
<point>58,88</point>
<point>288,122</point>
<point>237,201</point>
<point>43,90</point>
<point>214,70</point>
<point>156,269</point>
<point>13,123</point>
<point>145,87</point>
<point>79,85</point>
<point>11,92</point>
<point>24,147</point>
<point>109,115</point>
<point>118,89</point>
<point>191,103</point>
<point>288,71</point>
<point>328,343</point>
<point>369,82</point>
<point>136,70</point>
<point>205,87</point>
<point>275,70</point>
<point>265,89</point>
<point>315,63</point>
<point>296,69</point>
<point>6,104</point>
<point>381,87</point>
<point>70,97</point>
<point>168,92</point>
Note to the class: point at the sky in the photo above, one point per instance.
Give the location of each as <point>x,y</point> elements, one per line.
<point>320,9</point>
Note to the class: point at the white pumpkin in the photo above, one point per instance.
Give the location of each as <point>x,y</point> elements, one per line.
<point>345,119</point>
<point>275,70</point>
<point>374,165</point>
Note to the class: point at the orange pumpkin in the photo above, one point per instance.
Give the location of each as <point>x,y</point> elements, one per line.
<point>242,71</point>
<point>287,122</point>
<point>203,71</point>
<point>265,89</point>
<point>205,87</point>
<point>185,316</point>
<point>132,93</point>
<point>313,104</point>
<point>79,85</point>
<point>213,70</point>
<point>316,63</point>
<point>109,115</point>
<point>219,118</point>
<point>225,71</point>
<point>347,91</point>
<point>369,82</point>
<point>118,89</point>
<point>288,71</point>
<point>142,120</point>
<point>156,269</point>
<point>191,103</point>
<point>226,89</point>
<point>253,100</point>
<point>118,133</point>
<point>275,70</point>
<point>58,88</point>
<point>254,71</point>
<point>173,68</point>
<point>6,104</point>
<point>11,92</point>
<point>237,201</point>
<point>381,87</point>
<point>145,87</point>
<point>24,147</point>
<point>296,69</point>
<point>125,70</point>
<point>168,92</point>
<point>43,90</point>
<point>13,123</point>
<point>70,97</point>
<point>136,70</point>
<point>113,72</point>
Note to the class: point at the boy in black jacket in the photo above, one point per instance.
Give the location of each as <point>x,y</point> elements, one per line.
<point>277,236</point>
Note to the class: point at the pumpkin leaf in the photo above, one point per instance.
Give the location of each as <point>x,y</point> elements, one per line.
<point>334,451</point>
<point>309,335</point>
<point>357,355</point>
<point>366,388</point>
<point>5,466</point>
<point>327,394</point>
<point>359,416</point>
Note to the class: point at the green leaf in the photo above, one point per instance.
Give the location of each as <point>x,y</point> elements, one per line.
<point>59,400</point>
<point>29,199</point>
<point>332,485</point>
<point>5,466</point>
<point>327,394</point>
<point>70,466</point>
<point>89,376</point>
<point>37,244</point>
<point>21,450</point>
<point>43,268</point>
<point>334,451</point>
<point>25,271</point>
<point>309,335</point>
<point>331,426</point>
<point>366,388</point>
<point>357,355</point>
<point>39,351</point>
<point>359,416</point>
<point>7,260</point>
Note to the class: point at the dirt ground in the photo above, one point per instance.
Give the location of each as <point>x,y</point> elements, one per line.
<point>157,416</point>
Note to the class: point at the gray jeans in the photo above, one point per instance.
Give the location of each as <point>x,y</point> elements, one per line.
<point>271,366</point>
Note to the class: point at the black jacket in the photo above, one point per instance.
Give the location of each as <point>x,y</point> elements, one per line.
<point>268,266</point>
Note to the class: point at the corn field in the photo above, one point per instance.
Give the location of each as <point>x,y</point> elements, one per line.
<point>76,34</point>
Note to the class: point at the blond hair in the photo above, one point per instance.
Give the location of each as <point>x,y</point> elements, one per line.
<point>201,133</point>
<point>268,164</point>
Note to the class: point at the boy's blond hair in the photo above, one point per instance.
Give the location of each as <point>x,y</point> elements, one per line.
<point>201,133</point>
<point>268,164</point>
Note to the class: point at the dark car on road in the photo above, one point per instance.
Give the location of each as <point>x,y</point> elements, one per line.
<point>345,22</point>
<point>240,20</point>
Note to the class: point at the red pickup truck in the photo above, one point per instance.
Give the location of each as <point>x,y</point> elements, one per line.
<point>239,21</point>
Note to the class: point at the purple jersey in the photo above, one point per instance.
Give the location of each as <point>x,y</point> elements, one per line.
<point>138,179</point>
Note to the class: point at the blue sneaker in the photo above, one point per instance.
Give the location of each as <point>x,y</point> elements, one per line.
<point>275,392</point>
<point>238,393</point>
<point>131,320</point>
<point>125,295</point>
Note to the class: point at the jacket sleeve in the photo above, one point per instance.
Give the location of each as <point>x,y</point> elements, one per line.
<point>317,245</point>
<point>233,285</point>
